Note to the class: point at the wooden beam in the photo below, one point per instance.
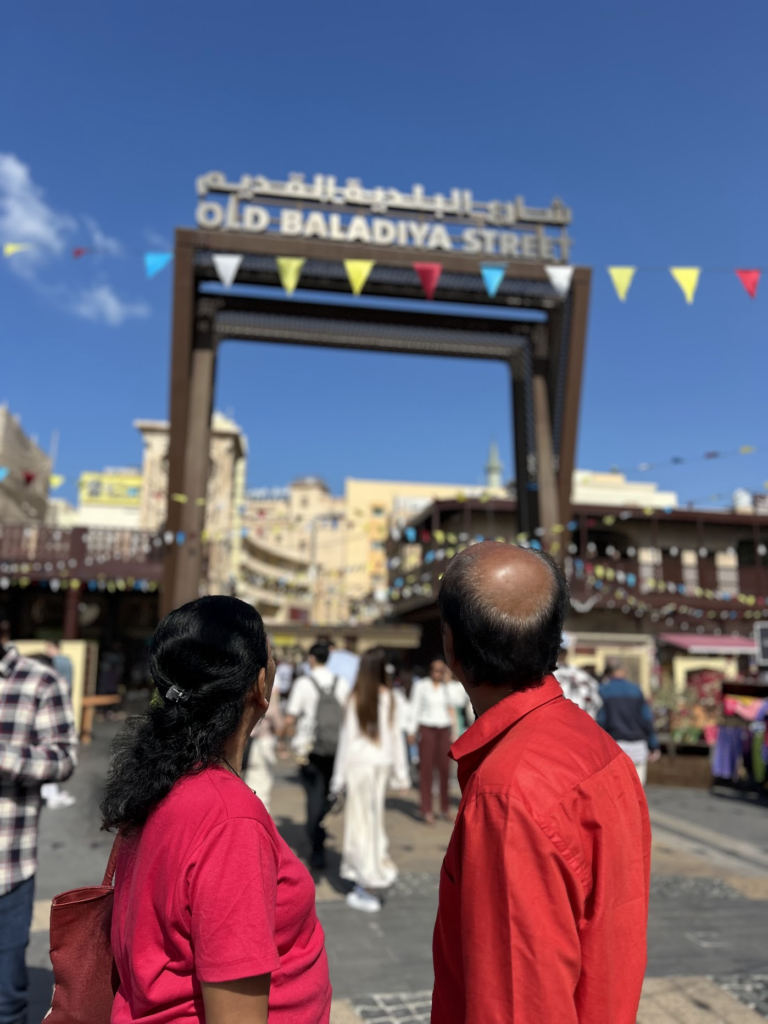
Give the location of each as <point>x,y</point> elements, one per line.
<point>549,506</point>
<point>189,554</point>
<point>181,352</point>
<point>580,287</point>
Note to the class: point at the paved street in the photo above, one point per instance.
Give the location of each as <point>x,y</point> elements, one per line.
<point>707,930</point>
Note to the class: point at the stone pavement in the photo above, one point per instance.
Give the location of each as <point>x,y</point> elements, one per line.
<point>707,931</point>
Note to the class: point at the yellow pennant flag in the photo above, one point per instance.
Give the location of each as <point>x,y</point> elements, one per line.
<point>55,480</point>
<point>688,279</point>
<point>11,248</point>
<point>182,499</point>
<point>358,272</point>
<point>622,279</point>
<point>289,269</point>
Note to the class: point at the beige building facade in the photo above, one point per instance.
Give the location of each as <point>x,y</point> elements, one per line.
<point>136,498</point>
<point>24,483</point>
<point>300,554</point>
<point>224,496</point>
<point>323,556</point>
<point>589,487</point>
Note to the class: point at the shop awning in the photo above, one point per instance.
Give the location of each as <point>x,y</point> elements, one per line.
<point>697,644</point>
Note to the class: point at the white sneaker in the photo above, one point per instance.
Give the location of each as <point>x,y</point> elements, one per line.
<point>60,799</point>
<point>359,899</point>
<point>50,791</point>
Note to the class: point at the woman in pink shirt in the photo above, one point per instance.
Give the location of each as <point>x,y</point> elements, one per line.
<point>214,917</point>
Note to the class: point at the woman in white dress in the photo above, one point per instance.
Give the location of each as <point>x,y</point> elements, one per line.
<point>261,754</point>
<point>370,756</point>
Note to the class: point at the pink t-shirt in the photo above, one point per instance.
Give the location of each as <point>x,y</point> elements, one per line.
<point>209,891</point>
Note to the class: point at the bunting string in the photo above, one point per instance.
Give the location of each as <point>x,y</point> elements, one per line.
<point>560,276</point>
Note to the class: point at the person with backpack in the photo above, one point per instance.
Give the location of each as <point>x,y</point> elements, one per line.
<point>313,717</point>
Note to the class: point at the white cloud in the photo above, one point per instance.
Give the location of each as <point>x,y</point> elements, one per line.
<point>102,242</point>
<point>102,305</point>
<point>24,214</point>
<point>26,217</point>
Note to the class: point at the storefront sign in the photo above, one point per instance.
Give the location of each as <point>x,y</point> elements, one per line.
<point>269,493</point>
<point>761,643</point>
<point>116,489</point>
<point>324,209</point>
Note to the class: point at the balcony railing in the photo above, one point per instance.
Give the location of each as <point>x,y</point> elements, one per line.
<point>45,553</point>
<point>657,585</point>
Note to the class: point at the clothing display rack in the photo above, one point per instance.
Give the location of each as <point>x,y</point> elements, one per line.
<point>740,752</point>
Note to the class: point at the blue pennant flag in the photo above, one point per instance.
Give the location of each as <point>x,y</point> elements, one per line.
<point>154,262</point>
<point>493,275</point>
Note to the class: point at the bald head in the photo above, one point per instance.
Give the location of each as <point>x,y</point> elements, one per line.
<point>503,609</point>
<point>515,581</point>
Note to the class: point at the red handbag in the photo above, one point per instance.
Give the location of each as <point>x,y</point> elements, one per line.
<point>84,970</point>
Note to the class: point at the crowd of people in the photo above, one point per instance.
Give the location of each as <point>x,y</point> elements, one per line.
<point>546,873</point>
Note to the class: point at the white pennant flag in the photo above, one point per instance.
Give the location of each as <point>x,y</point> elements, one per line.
<point>227,266</point>
<point>560,278</point>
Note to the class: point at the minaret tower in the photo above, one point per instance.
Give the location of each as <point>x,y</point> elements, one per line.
<point>494,469</point>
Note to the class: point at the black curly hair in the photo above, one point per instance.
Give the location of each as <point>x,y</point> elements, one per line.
<point>213,650</point>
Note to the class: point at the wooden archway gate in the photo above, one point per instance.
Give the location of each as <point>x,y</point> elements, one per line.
<point>545,356</point>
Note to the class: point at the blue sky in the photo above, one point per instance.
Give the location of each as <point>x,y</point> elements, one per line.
<point>646,118</point>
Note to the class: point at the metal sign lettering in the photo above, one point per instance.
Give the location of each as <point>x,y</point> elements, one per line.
<point>454,223</point>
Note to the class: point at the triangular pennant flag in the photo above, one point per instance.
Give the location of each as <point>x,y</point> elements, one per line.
<point>29,477</point>
<point>80,251</point>
<point>226,266</point>
<point>11,248</point>
<point>688,279</point>
<point>622,278</point>
<point>560,278</point>
<point>55,480</point>
<point>429,275</point>
<point>493,275</point>
<point>750,279</point>
<point>289,271</point>
<point>358,272</point>
<point>4,471</point>
<point>154,262</point>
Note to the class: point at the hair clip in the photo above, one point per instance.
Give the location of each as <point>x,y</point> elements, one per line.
<point>175,694</point>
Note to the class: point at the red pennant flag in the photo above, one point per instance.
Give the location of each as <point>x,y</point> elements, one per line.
<point>80,251</point>
<point>429,275</point>
<point>750,279</point>
<point>29,477</point>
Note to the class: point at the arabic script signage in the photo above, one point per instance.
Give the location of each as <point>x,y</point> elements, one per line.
<point>325,209</point>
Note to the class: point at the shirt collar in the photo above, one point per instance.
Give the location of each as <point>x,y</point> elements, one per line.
<point>8,660</point>
<point>471,747</point>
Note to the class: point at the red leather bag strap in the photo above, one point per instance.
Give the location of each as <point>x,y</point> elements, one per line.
<point>109,874</point>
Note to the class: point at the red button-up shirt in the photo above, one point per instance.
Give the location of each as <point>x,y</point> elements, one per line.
<point>544,888</point>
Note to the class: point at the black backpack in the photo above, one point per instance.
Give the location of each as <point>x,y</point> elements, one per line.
<point>330,715</point>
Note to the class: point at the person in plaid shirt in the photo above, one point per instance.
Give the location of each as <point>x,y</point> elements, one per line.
<point>37,745</point>
<point>576,684</point>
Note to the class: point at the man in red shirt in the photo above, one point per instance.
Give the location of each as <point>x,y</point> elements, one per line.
<point>544,888</point>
